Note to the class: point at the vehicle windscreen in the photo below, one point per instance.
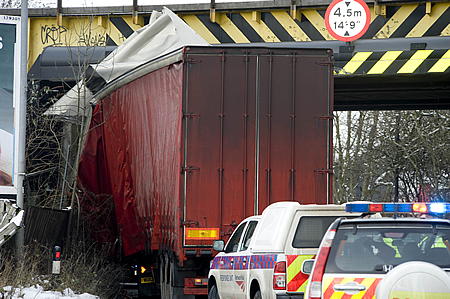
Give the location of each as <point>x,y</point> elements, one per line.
<point>310,231</point>
<point>376,248</point>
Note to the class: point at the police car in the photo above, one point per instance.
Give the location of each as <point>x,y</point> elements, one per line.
<point>263,257</point>
<point>384,257</point>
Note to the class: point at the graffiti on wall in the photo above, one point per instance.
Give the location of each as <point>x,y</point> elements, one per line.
<point>90,39</point>
<point>58,35</point>
<point>52,34</point>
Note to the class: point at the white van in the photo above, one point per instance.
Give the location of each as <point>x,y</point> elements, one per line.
<point>263,257</point>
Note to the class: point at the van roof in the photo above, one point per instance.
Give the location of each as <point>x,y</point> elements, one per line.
<point>276,220</point>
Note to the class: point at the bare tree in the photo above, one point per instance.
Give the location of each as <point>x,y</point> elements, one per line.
<point>373,147</point>
<point>57,125</point>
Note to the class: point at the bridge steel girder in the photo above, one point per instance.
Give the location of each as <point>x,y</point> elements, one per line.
<point>271,22</point>
<point>234,22</point>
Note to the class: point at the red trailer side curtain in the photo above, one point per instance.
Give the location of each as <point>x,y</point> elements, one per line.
<point>132,152</point>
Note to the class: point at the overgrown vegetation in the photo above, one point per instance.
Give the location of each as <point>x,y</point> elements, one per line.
<point>51,153</point>
<point>53,147</point>
<point>84,269</point>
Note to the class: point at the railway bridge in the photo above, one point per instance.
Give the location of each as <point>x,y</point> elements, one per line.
<point>401,62</point>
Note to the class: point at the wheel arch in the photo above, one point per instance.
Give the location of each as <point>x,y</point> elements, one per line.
<point>254,287</point>
<point>211,282</point>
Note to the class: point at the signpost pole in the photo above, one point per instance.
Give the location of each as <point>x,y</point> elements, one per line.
<point>22,119</point>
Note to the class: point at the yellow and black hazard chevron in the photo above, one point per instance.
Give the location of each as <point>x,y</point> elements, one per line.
<point>371,284</point>
<point>252,26</point>
<point>395,62</point>
<point>296,280</point>
<point>397,21</point>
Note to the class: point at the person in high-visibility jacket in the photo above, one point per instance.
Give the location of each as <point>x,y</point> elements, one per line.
<point>388,241</point>
<point>438,243</point>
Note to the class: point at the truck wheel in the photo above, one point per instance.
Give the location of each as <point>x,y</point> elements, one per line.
<point>166,278</point>
<point>162,277</point>
<point>257,295</point>
<point>213,293</point>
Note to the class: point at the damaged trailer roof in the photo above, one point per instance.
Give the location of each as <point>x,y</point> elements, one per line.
<point>164,34</point>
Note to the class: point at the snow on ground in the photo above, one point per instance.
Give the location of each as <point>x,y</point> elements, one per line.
<point>37,292</point>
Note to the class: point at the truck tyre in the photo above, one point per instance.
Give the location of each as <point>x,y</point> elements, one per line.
<point>257,295</point>
<point>162,276</point>
<point>213,293</point>
<point>166,278</point>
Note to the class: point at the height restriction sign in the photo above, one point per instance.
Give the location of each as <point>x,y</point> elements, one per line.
<point>347,20</point>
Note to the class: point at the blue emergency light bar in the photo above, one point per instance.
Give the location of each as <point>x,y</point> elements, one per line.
<point>423,208</point>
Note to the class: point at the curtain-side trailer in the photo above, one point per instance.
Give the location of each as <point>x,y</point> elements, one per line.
<point>191,143</point>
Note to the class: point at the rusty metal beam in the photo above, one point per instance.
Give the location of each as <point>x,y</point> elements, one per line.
<point>59,12</point>
<point>185,8</point>
<point>212,11</point>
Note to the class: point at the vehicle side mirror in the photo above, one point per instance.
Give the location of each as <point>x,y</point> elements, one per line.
<point>218,245</point>
<point>307,266</point>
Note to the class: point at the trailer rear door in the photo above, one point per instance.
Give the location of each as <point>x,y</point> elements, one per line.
<point>256,130</point>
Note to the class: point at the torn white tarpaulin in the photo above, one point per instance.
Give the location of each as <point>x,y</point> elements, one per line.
<point>75,102</point>
<point>165,33</point>
<point>12,218</point>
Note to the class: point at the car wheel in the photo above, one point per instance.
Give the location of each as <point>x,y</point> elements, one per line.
<point>257,295</point>
<point>213,293</point>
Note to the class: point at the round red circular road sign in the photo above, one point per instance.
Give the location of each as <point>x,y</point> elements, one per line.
<point>347,20</point>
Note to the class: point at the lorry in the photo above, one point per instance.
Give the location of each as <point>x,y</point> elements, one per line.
<point>183,147</point>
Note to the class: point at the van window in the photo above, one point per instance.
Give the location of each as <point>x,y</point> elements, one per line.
<point>310,231</point>
<point>233,243</point>
<point>248,235</point>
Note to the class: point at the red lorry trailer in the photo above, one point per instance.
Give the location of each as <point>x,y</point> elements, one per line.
<point>191,143</point>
